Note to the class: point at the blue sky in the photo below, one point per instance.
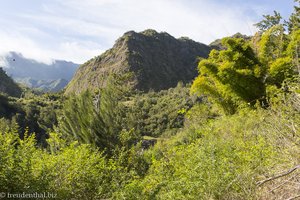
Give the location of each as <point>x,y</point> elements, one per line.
<point>77,30</point>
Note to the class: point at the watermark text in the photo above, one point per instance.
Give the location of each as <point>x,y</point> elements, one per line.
<point>24,195</point>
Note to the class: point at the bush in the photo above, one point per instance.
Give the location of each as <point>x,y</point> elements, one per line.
<point>74,171</point>
<point>224,160</point>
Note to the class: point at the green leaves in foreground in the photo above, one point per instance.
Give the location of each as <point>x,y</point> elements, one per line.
<point>74,171</point>
<point>231,77</point>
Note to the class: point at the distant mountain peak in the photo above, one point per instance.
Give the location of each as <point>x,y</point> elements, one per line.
<point>29,71</point>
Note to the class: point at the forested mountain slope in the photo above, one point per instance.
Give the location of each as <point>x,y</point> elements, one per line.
<point>8,86</point>
<point>233,133</point>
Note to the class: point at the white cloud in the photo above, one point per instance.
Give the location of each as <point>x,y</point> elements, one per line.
<point>72,51</point>
<point>3,61</point>
<point>77,30</point>
<point>76,52</point>
<point>204,23</point>
<point>20,43</point>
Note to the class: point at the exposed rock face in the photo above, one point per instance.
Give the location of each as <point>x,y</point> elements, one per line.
<point>157,61</point>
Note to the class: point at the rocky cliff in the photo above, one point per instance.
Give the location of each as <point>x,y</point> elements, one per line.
<point>156,60</point>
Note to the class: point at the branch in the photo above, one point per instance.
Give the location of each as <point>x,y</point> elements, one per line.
<point>283,183</point>
<point>259,183</point>
<point>295,197</point>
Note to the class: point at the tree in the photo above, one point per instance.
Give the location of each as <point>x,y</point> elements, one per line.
<point>232,76</point>
<point>268,21</point>
<point>272,44</point>
<point>98,118</point>
<point>294,21</point>
<point>277,50</point>
<point>293,49</point>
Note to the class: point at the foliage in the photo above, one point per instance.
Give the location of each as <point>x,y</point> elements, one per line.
<point>213,157</point>
<point>294,21</point>
<point>26,168</point>
<point>239,74</point>
<point>269,21</point>
<point>162,113</point>
<point>231,77</point>
<point>98,119</point>
<point>272,44</point>
<point>97,150</point>
<point>293,49</point>
<point>279,53</point>
<point>35,113</point>
<point>8,86</point>
<point>223,160</point>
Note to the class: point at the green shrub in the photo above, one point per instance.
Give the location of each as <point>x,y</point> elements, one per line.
<point>74,171</point>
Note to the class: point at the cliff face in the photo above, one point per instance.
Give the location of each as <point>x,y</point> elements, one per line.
<point>156,60</point>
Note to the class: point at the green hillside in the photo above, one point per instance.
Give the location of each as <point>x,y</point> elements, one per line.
<point>8,86</point>
<point>139,122</point>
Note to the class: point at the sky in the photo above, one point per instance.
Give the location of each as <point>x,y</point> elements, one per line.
<point>77,30</point>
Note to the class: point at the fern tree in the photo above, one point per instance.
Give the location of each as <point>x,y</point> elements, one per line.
<point>279,52</point>
<point>293,49</point>
<point>243,72</point>
<point>232,76</point>
<point>294,21</point>
<point>269,21</point>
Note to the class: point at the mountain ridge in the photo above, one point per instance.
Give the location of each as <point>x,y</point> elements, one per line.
<point>29,71</point>
<point>8,86</point>
<point>50,85</point>
<point>157,60</point>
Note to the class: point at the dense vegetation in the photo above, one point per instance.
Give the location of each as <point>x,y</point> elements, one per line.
<point>7,85</point>
<point>33,113</point>
<point>238,138</point>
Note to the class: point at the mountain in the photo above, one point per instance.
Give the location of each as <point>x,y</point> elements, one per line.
<point>156,60</point>
<point>217,44</point>
<point>43,85</point>
<point>30,71</point>
<point>8,86</point>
